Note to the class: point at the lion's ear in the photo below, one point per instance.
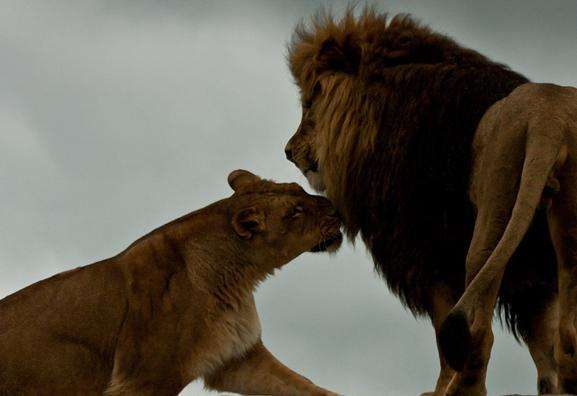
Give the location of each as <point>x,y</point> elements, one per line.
<point>241,177</point>
<point>340,56</point>
<point>248,222</point>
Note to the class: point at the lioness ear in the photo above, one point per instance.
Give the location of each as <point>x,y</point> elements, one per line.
<point>343,56</point>
<point>247,222</point>
<point>240,177</point>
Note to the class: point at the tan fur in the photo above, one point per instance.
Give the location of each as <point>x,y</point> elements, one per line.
<point>176,306</point>
<point>524,143</point>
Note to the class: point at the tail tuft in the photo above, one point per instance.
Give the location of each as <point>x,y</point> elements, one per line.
<point>455,340</point>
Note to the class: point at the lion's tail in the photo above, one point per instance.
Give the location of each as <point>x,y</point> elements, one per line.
<point>541,154</point>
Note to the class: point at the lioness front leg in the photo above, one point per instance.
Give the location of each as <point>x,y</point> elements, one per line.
<point>260,373</point>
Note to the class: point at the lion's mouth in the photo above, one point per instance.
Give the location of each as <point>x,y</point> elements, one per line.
<point>315,179</point>
<point>329,244</point>
<point>313,167</point>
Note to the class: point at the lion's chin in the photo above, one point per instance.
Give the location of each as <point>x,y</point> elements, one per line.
<point>315,179</point>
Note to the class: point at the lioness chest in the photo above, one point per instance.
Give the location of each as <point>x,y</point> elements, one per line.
<point>229,335</point>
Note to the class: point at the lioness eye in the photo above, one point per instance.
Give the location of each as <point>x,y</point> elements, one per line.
<point>298,210</point>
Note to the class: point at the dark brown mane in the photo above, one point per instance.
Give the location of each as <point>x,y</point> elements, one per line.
<point>395,117</point>
<point>368,44</point>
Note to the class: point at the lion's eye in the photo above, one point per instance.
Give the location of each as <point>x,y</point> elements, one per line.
<point>307,100</point>
<point>298,211</point>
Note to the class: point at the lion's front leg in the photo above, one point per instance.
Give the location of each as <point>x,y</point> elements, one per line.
<point>442,301</point>
<point>260,373</point>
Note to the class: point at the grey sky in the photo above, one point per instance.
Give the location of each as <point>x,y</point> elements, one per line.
<point>117,116</point>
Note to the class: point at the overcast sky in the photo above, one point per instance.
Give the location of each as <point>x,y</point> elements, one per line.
<point>117,116</point>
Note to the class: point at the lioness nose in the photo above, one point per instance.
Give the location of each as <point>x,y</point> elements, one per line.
<point>289,153</point>
<point>330,209</point>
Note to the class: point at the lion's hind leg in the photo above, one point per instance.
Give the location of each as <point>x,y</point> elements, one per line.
<point>540,340</point>
<point>528,300</point>
<point>562,218</point>
<point>466,336</point>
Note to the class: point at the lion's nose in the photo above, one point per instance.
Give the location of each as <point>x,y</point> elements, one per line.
<point>289,153</point>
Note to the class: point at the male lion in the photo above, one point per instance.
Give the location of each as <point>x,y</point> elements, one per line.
<point>389,114</point>
<point>176,305</point>
<point>525,154</point>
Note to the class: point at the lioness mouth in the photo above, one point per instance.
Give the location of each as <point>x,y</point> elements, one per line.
<point>331,242</point>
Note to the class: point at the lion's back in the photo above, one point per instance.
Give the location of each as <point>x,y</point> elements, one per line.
<point>542,101</point>
<point>540,107</point>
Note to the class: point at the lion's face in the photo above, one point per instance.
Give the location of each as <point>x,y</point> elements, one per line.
<point>301,148</point>
<point>280,221</point>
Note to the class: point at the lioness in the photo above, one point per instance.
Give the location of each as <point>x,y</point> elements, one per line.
<point>175,306</point>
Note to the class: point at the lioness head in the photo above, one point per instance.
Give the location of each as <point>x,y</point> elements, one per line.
<point>279,221</point>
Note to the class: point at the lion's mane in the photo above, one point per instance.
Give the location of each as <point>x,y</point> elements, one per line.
<point>394,126</point>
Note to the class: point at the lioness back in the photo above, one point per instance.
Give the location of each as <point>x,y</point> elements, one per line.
<point>83,308</point>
